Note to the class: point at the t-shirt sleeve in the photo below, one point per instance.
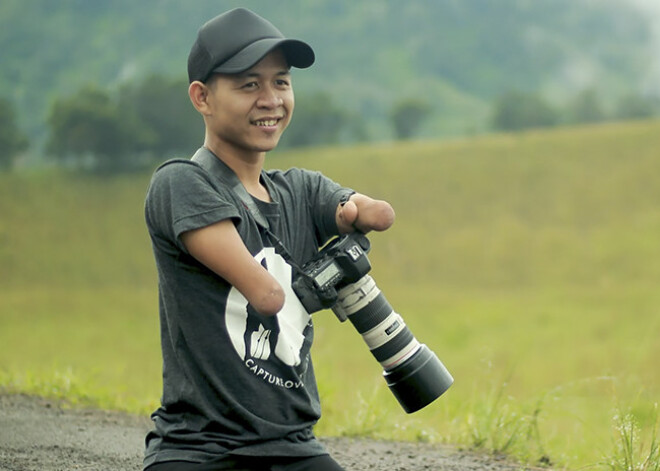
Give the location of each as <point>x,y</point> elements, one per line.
<point>323,197</point>
<point>181,197</point>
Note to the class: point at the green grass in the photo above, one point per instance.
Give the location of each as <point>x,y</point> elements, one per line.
<point>529,263</point>
<point>632,452</point>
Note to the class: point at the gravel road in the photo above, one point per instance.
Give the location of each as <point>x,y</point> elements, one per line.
<point>40,435</point>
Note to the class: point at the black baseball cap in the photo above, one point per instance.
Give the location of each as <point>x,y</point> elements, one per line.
<point>234,41</point>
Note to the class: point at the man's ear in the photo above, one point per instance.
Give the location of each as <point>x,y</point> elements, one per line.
<point>199,94</point>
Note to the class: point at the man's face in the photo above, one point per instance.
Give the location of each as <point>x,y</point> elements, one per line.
<point>249,111</point>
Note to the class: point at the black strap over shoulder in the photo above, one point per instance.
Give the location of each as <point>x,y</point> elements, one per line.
<point>219,169</point>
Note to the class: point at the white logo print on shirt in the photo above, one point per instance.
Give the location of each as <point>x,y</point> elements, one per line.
<point>258,337</point>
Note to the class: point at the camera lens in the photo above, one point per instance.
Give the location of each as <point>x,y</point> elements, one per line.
<point>414,374</point>
<point>391,342</point>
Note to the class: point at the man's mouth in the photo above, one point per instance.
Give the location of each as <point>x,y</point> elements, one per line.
<point>266,122</point>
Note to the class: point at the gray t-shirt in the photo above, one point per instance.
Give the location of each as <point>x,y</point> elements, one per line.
<point>234,382</point>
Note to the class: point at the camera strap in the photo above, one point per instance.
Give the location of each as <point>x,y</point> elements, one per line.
<point>217,168</point>
<point>220,170</point>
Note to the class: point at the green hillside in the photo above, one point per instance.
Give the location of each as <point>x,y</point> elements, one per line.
<point>455,56</point>
<point>529,263</point>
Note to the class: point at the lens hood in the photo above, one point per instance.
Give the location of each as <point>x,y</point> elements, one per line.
<point>418,381</point>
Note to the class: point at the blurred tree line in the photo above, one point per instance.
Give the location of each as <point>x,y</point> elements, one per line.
<point>141,123</point>
<point>517,111</point>
<point>146,122</point>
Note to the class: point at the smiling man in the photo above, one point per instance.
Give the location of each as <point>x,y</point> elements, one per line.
<point>239,390</point>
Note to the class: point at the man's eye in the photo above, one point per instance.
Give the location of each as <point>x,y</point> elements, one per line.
<point>250,85</point>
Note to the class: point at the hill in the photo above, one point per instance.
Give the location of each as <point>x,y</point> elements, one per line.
<point>455,56</point>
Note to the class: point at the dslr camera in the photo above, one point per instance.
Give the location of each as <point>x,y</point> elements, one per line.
<point>337,278</point>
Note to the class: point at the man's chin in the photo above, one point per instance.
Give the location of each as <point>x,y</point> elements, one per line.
<point>267,146</point>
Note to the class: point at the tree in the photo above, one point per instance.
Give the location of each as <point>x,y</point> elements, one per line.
<point>407,116</point>
<point>12,140</point>
<point>162,108</point>
<point>515,111</point>
<point>586,108</point>
<point>316,121</point>
<point>635,106</point>
<point>88,130</point>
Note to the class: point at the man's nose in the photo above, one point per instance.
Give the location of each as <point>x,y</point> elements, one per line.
<point>270,98</point>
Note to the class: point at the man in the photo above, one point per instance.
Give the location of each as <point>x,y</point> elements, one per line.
<point>238,385</point>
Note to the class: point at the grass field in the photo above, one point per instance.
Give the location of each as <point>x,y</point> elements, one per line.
<point>529,263</point>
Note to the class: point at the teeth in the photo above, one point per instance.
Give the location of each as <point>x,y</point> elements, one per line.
<point>266,122</point>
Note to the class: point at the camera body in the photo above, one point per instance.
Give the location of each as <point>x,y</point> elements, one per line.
<point>341,262</point>
<point>337,278</point>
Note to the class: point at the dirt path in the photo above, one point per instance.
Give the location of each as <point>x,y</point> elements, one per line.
<point>38,434</point>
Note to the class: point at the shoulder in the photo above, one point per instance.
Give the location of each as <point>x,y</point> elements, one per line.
<point>177,168</point>
<point>295,176</point>
<point>182,182</point>
<point>178,173</point>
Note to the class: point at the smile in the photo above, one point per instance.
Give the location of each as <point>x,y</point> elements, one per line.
<point>266,122</point>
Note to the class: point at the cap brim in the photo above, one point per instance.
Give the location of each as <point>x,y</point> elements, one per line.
<point>298,54</point>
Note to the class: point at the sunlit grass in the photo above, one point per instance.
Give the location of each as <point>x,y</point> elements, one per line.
<point>90,346</point>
